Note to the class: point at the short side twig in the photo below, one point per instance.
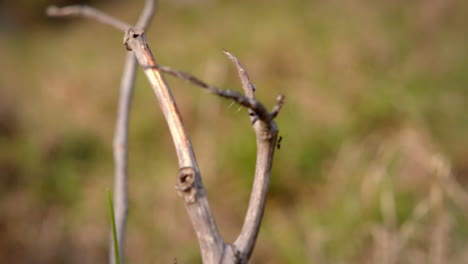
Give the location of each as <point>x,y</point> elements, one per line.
<point>250,103</point>
<point>247,85</point>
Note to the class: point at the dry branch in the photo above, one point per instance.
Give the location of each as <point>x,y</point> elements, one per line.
<point>120,144</point>
<point>120,147</point>
<point>189,182</point>
<point>266,133</point>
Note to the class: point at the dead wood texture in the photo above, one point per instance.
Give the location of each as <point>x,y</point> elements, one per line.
<point>189,181</point>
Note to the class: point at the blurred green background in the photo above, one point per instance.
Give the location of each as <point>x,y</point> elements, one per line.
<point>372,167</point>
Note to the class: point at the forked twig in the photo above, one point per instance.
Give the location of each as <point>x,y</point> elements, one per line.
<point>189,182</point>
<point>266,133</point>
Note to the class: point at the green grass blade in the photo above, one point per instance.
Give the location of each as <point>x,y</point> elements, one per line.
<point>114,229</point>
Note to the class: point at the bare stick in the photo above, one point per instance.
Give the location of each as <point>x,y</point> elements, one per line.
<point>120,144</point>
<point>266,133</point>
<point>89,12</point>
<point>121,138</point>
<point>120,147</point>
<point>189,183</point>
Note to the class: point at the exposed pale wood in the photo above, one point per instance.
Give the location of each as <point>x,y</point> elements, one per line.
<point>210,241</point>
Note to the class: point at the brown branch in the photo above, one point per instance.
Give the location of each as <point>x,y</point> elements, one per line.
<point>89,12</point>
<point>266,133</point>
<point>189,182</point>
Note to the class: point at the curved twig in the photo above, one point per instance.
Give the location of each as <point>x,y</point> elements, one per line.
<point>266,133</point>
<point>120,145</point>
<point>87,11</point>
<point>120,142</point>
<point>189,182</point>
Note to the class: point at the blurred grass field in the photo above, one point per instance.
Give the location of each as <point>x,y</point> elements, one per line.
<point>372,167</point>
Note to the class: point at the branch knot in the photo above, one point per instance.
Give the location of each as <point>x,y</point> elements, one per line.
<point>186,184</point>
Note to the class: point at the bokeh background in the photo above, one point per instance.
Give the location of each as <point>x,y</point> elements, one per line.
<point>373,163</point>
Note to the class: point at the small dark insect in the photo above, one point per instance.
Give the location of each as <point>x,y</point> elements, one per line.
<point>278,145</point>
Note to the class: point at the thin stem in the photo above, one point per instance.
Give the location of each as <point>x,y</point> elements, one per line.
<point>90,12</point>
<point>266,144</point>
<point>147,14</point>
<point>121,139</point>
<point>121,154</point>
<point>266,133</point>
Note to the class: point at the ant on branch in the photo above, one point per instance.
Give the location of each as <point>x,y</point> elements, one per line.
<point>278,144</point>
